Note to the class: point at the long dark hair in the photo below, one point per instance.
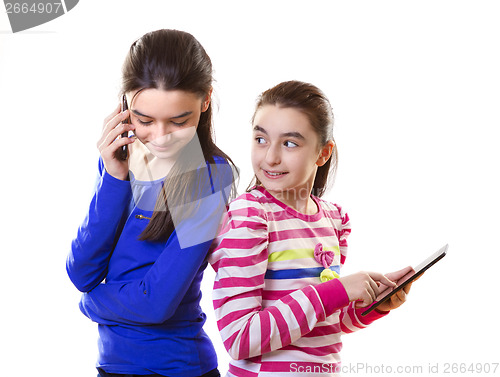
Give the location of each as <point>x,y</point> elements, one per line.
<point>312,102</point>
<point>174,60</point>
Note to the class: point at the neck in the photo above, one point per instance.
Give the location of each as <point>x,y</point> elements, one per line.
<point>145,166</point>
<point>300,200</point>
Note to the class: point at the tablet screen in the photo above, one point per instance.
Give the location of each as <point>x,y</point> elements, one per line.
<point>408,278</point>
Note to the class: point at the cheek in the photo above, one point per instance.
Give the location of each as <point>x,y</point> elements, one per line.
<point>302,164</point>
<point>184,135</point>
<point>187,133</point>
<point>255,155</point>
<point>141,132</point>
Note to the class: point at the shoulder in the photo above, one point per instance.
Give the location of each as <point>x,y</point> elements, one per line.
<point>333,210</point>
<point>251,198</point>
<point>249,204</point>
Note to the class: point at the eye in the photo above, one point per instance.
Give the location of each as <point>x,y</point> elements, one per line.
<point>144,123</point>
<point>180,124</point>
<point>290,144</point>
<point>260,140</point>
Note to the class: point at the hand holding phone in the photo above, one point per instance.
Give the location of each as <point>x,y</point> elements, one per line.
<point>406,280</point>
<point>362,287</point>
<point>399,297</point>
<point>113,138</point>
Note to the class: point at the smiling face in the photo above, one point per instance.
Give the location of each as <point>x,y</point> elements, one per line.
<point>165,120</point>
<point>286,153</point>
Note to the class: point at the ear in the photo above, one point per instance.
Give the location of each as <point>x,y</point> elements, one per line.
<point>206,101</point>
<point>325,153</point>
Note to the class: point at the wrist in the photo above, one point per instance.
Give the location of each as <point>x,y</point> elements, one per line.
<point>333,295</point>
<point>119,176</point>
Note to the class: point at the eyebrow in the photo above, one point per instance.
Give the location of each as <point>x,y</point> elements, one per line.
<point>136,112</point>
<point>296,135</point>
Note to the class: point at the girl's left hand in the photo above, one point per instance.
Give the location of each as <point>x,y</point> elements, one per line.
<point>400,297</point>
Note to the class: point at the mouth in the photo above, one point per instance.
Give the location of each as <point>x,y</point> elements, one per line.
<point>274,174</point>
<point>160,147</point>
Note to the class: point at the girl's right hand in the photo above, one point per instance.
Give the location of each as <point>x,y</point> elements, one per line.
<point>109,143</point>
<point>364,287</point>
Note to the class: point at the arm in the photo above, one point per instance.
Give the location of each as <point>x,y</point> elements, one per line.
<point>153,299</point>
<point>240,261</point>
<point>156,297</point>
<point>88,259</point>
<point>87,262</point>
<point>353,320</point>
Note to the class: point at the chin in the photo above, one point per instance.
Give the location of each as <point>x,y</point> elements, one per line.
<point>272,186</point>
<point>164,155</point>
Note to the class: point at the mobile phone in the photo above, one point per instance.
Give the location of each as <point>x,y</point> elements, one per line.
<point>409,277</point>
<point>122,153</point>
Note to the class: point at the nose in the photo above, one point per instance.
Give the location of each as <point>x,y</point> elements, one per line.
<point>273,155</point>
<point>160,129</point>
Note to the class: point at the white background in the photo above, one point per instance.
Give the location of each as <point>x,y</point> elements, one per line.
<point>415,88</point>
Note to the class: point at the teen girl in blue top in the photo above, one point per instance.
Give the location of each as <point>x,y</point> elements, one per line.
<point>140,254</point>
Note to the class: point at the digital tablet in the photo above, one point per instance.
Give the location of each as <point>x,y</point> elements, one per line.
<point>409,277</point>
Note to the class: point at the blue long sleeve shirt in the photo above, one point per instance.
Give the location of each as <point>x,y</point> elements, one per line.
<point>148,309</point>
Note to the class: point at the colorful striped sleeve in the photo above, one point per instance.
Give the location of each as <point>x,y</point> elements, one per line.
<point>240,260</point>
<point>343,233</point>
<point>351,319</point>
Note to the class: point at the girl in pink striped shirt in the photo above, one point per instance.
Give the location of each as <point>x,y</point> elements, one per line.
<point>280,303</point>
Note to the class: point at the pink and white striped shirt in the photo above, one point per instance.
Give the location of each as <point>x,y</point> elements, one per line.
<point>274,314</point>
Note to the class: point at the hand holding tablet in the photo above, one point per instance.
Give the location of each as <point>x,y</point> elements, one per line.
<point>408,278</point>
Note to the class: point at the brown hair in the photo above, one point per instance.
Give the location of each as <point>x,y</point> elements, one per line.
<point>174,60</point>
<point>313,103</point>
